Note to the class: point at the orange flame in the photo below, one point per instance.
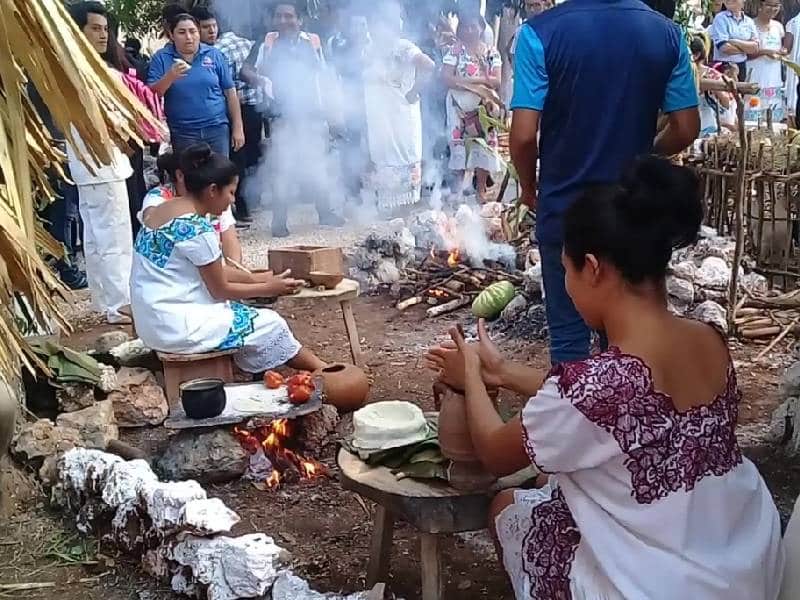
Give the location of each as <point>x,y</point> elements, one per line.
<point>453,259</point>
<point>274,480</point>
<point>273,439</point>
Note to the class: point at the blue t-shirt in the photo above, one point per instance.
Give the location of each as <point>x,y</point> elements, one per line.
<point>198,99</point>
<point>599,71</point>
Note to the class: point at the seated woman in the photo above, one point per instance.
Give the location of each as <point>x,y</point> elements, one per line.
<point>648,494</point>
<point>182,298</point>
<point>173,186</point>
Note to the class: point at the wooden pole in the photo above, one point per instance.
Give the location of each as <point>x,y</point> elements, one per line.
<point>739,200</point>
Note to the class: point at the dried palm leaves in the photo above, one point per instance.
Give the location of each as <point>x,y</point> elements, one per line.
<point>38,39</point>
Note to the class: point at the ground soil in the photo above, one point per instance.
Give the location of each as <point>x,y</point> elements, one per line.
<point>326,528</point>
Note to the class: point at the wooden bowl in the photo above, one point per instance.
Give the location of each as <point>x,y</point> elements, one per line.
<point>327,280</point>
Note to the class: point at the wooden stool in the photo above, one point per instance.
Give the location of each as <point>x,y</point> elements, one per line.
<point>432,508</point>
<point>180,368</point>
<point>347,291</point>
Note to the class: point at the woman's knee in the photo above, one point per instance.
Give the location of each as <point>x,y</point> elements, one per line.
<point>500,502</point>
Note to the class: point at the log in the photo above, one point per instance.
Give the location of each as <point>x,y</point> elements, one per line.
<point>761,332</point>
<point>409,302</point>
<point>455,286</point>
<point>126,451</point>
<point>447,307</point>
<point>778,338</point>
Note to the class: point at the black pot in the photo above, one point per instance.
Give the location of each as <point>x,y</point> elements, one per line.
<point>203,398</point>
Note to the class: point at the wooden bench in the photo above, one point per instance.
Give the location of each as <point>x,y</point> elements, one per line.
<point>180,368</point>
<point>432,508</point>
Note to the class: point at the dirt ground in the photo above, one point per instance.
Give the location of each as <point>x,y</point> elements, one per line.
<point>326,528</point>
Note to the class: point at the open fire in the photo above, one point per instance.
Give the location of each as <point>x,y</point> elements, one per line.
<point>284,464</point>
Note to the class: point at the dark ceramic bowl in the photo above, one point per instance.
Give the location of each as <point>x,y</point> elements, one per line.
<point>203,398</point>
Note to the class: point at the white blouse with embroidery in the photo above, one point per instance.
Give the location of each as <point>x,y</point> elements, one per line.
<point>644,502</point>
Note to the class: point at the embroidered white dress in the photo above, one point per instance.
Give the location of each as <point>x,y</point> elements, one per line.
<point>174,311</point>
<point>644,503</point>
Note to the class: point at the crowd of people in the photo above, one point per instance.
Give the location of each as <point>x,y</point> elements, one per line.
<point>636,435</point>
<point>747,49</point>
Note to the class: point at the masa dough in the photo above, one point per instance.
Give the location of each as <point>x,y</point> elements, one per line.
<point>385,425</point>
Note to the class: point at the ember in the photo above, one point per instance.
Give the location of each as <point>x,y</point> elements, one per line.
<point>274,440</point>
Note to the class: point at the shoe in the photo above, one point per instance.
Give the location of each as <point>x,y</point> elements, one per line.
<point>74,279</point>
<point>241,226</point>
<point>118,319</point>
<point>331,219</point>
<point>280,231</point>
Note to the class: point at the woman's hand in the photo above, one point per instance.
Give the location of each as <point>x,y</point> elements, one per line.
<point>282,285</point>
<point>451,364</point>
<point>237,138</point>
<point>179,69</point>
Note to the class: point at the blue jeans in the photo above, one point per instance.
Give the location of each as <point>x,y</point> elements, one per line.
<point>216,136</point>
<point>570,337</point>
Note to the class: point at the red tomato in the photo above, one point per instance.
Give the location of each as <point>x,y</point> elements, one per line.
<point>273,380</point>
<point>300,394</point>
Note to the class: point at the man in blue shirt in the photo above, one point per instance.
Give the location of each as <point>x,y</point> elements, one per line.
<point>587,122</point>
<point>200,98</point>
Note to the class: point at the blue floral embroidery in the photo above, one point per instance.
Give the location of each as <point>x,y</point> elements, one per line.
<point>243,317</point>
<point>156,245</point>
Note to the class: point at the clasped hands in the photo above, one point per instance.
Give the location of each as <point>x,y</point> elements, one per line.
<point>453,360</point>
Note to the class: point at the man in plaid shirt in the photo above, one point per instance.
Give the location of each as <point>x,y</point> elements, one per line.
<point>236,49</point>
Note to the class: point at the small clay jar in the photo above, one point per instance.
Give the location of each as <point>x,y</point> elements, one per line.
<point>344,386</point>
<point>454,436</point>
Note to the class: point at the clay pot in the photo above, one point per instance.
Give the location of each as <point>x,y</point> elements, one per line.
<point>454,436</point>
<point>344,386</point>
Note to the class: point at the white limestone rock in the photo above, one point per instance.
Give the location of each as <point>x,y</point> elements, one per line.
<point>387,271</point>
<point>684,270</point>
<point>126,481</point>
<point>289,586</point>
<point>515,309</point>
<point>713,314</point>
<point>164,502</point>
<point>714,273</point>
<point>680,292</point>
<point>85,470</point>
<point>225,568</point>
<point>207,517</point>
<point>790,386</point>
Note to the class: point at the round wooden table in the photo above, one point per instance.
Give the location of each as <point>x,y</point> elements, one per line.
<point>433,508</point>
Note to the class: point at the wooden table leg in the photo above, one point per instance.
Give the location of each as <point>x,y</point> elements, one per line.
<point>380,547</point>
<point>352,332</point>
<point>431,561</point>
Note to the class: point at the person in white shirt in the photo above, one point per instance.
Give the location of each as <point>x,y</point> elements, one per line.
<point>103,198</point>
<point>790,42</point>
<point>764,67</point>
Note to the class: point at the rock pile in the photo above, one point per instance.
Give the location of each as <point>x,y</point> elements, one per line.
<point>179,533</point>
<point>699,276</point>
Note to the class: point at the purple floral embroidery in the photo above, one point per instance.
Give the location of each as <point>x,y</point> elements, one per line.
<point>667,450</point>
<point>550,548</point>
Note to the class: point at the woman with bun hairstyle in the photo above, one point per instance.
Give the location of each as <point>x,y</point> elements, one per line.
<point>184,300</point>
<point>173,186</point>
<point>646,492</point>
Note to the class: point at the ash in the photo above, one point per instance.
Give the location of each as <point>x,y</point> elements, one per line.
<point>530,324</point>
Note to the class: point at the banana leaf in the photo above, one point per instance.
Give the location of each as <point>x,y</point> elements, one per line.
<point>487,121</point>
<point>792,65</point>
<point>421,470</point>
